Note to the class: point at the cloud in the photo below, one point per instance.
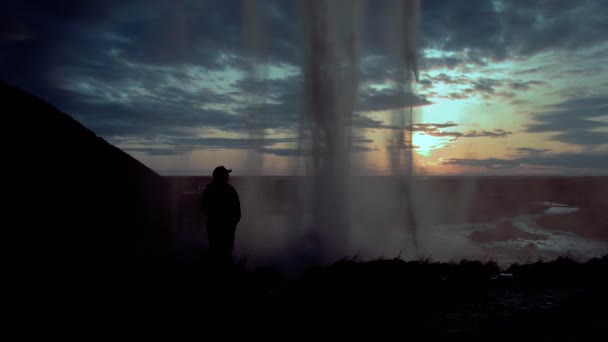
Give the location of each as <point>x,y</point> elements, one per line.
<point>294,152</point>
<point>497,133</point>
<point>425,83</point>
<point>457,96</point>
<point>171,145</point>
<point>449,26</point>
<point>388,99</point>
<point>586,138</point>
<point>574,121</point>
<point>128,107</point>
<point>486,85</point>
<point>160,151</point>
<point>448,62</point>
<point>525,85</point>
<point>534,70</point>
<point>86,39</point>
<point>432,129</point>
<point>423,127</point>
<point>393,145</point>
<point>447,79</point>
<point>490,163</point>
<point>496,30</point>
<point>530,151</point>
<point>212,34</point>
<point>589,161</point>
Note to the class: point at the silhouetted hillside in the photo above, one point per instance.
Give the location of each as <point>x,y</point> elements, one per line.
<point>77,206</point>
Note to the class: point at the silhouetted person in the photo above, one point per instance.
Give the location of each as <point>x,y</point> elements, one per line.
<point>220,203</point>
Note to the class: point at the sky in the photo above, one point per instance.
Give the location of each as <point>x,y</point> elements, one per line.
<point>504,87</point>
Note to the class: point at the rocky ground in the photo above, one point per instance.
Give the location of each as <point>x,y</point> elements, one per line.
<point>561,300</point>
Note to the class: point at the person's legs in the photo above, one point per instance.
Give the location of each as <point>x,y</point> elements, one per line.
<point>221,243</point>
<point>214,243</point>
<point>226,245</point>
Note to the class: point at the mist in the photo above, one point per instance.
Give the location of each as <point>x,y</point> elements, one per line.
<point>325,214</point>
<point>329,211</point>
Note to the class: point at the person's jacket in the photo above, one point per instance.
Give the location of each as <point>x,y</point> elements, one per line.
<point>220,203</point>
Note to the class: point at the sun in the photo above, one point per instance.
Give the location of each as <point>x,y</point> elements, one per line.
<point>424,143</point>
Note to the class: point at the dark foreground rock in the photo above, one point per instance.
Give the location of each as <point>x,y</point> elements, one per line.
<point>561,300</point>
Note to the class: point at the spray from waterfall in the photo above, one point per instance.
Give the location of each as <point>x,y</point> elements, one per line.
<point>332,51</point>
<point>401,41</point>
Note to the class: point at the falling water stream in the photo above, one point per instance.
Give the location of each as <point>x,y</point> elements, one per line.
<point>331,70</point>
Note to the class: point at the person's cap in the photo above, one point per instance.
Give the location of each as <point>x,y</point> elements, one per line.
<point>220,170</point>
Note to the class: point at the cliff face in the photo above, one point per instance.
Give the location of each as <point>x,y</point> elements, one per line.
<point>73,201</point>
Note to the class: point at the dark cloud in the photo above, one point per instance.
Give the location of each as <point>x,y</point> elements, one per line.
<point>484,86</point>
<point>518,102</point>
<point>377,70</point>
<point>433,126</point>
<point>497,133</point>
<point>495,30</point>
<point>432,129</point>
<point>129,110</point>
<point>581,137</point>
<point>457,96</point>
<point>574,121</point>
<point>425,84</point>
<point>401,146</point>
<point>525,85</point>
<point>388,99</point>
<point>88,37</point>
<point>447,79</point>
<point>287,97</point>
<point>358,145</point>
<point>233,143</point>
<point>530,151</point>
<point>294,152</point>
<point>151,122</point>
<point>534,70</point>
<point>284,152</point>
<point>171,145</point>
<point>428,63</point>
<point>213,33</point>
<point>361,121</point>
<point>490,163</point>
<point>586,161</point>
<point>452,26</point>
<point>159,151</point>
<point>581,71</point>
